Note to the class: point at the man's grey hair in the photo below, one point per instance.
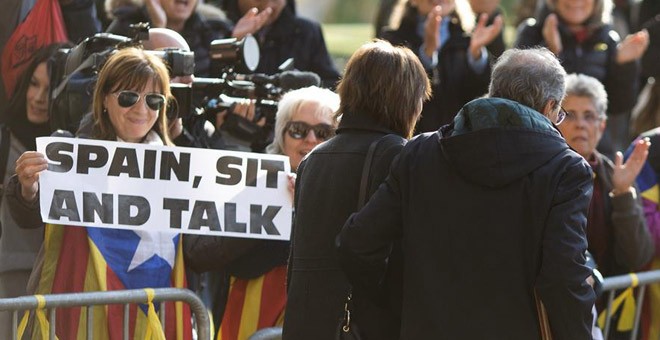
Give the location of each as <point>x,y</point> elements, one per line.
<point>581,85</point>
<point>531,77</point>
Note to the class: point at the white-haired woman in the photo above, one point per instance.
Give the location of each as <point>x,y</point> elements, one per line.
<point>257,268</point>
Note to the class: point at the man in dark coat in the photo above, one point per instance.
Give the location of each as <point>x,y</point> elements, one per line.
<point>491,213</point>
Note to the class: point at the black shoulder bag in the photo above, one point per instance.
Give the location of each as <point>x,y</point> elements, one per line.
<point>347,329</point>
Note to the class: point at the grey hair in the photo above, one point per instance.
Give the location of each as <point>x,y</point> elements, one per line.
<point>292,101</point>
<point>581,85</point>
<point>531,77</point>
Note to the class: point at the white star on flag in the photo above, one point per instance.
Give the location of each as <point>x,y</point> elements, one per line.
<point>152,244</point>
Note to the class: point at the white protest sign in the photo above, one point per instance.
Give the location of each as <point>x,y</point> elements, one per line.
<point>159,188</point>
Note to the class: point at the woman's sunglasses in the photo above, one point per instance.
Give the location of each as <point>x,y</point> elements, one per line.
<point>126,99</point>
<point>300,130</point>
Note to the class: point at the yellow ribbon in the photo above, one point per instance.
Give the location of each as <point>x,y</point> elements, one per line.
<point>627,301</point>
<point>41,318</point>
<point>154,327</point>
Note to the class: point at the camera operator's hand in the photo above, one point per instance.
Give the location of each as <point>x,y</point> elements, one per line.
<point>28,167</point>
<point>246,109</point>
<point>156,12</point>
<point>251,22</point>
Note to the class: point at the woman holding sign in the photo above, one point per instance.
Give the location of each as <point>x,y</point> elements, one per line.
<point>129,105</point>
<point>381,93</point>
<point>257,268</point>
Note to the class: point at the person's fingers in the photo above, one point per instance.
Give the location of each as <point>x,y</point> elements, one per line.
<point>618,159</point>
<point>251,104</point>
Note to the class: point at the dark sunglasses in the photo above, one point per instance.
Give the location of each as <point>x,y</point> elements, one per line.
<point>300,130</point>
<point>155,101</point>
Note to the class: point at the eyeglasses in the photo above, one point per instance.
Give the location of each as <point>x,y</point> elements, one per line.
<point>589,116</point>
<point>561,115</point>
<point>126,99</point>
<point>300,130</point>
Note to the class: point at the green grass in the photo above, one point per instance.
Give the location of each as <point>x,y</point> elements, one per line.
<point>343,39</point>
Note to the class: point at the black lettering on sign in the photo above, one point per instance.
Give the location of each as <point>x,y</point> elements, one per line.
<point>90,156</point>
<point>64,205</point>
<point>230,220</point>
<point>91,206</point>
<point>124,161</point>
<point>263,219</point>
<point>272,167</point>
<point>126,202</point>
<point>230,174</point>
<point>176,207</point>
<point>201,209</point>
<point>169,164</point>
<point>54,153</point>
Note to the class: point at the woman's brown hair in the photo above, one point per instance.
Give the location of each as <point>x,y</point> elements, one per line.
<point>130,69</point>
<point>387,83</point>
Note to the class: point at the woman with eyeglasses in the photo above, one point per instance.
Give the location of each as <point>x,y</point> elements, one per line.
<point>129,105</point>
<point>616,229</point>
<point>382,93</point>
<point>579,33</point>
<point>257,268</point>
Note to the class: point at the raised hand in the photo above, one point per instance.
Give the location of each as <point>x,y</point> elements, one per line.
<point>156,13</point>
<point>551,34</point>
<point>251,22</point>
<point>432,31</point>
<point>483,35</point>
<point>632,47</point>
<point>28,167</point>
<point>624,175</point>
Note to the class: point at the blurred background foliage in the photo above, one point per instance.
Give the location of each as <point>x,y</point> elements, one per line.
<point>347,24</point>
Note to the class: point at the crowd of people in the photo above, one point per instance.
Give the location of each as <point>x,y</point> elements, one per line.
<point>443,184</point>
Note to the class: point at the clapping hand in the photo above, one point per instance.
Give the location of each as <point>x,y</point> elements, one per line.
<point>551,34</point>
<point>624,174</point>
<point>432,31</point>
<point>483,35</point>
<point>632,47</point>
<point>157,14</point>
<point>251,22</point>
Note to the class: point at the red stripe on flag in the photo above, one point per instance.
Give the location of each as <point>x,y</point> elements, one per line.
<point>70,277</point>
<point>231,321</point>
<point>115,314</point>
<point>273,297</point>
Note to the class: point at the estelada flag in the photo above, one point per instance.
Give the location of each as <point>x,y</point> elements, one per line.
<point>42,26</point>
<point>254,304</point>
<point>79,259</point>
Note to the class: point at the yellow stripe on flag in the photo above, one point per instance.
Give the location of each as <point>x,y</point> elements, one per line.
<point>251,308</point>
<point>652,194</point>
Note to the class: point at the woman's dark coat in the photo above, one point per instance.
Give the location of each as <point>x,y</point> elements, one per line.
<point>326,194</point>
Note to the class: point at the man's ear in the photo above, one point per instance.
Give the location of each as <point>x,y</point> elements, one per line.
<point>549,108</point>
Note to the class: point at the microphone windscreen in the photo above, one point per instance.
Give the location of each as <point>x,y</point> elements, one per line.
<point>291,80</point>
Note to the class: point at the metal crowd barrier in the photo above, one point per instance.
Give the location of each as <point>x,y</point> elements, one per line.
<point>640,281</point>
<point>125,297</point>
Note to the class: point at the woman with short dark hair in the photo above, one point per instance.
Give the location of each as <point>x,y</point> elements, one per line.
<point>381,95</point>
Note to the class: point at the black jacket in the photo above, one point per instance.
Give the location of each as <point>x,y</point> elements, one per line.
<point>595,56</point>
<point>489,210</point>
<point>453,81</point>
<point>326,194</point>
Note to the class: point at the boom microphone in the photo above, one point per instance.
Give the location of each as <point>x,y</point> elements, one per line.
<point>287,80</point>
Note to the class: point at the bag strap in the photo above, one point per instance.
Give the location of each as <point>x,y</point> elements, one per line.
<point>4,154</point>
<point>366,171</point>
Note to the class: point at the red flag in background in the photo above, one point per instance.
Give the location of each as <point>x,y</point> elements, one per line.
<point>42,26</point>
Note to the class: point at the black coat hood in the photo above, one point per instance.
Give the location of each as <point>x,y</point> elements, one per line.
<point>494,141</point>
